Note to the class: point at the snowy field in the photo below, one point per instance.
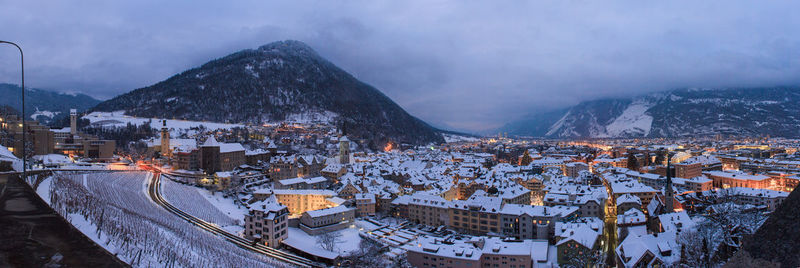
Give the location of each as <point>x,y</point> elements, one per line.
<point>448,138</point>
<point>119,119</point>
<point>202,204</point>
<point>114,210</point>
<point>347,243</point>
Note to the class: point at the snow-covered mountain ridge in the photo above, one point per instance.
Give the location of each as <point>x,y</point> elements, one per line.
<point>683,112</point>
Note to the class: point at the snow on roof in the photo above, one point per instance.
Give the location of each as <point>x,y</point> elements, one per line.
<point>562,229</point>
<point>583,235</point>
<point>335,200</point>
<point>479,201</point>
<point>304,192</point>
<point>703,160</point>
<point>255,152</point>
<point>470,249</point>
<point>402,200</point>
<point>457,250</point>
<point>539,250</point>
<point>332,168</point>
<point>627,185</point>
<point>6,155</point>
<point>230,147</point>
<point>628,198</point>
<point>632,216</point>
<point>676,221</point>
<point>210,142</point>
<point>327,211</point>
<point>634,247</point>
<point>291,181</point>
<point>368,196</point>
<point>424,199</point>
<point>538,211</point>
<point>268,205</point>
<point>753,192</point>
<point>737,175</point>
<point>62,130</point>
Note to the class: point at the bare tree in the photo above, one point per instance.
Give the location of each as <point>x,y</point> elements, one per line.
<point>578,259</point>
<point>694,249</point>
<point>329,240</point>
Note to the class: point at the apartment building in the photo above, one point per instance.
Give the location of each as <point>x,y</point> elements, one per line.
<point>267,222</point>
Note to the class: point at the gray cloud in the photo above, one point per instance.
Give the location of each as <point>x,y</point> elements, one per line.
<point>465,65</point>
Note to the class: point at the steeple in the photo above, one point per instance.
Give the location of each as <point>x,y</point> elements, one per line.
<point>166,150</point>
<point>668,191</point>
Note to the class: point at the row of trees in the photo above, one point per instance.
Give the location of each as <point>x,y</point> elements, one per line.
<point>126,136</point>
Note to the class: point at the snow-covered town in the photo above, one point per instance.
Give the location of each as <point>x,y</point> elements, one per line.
<point>306,194</point>
<point>424,134</point>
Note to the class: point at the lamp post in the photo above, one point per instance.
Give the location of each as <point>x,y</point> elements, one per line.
<point>22,69</point>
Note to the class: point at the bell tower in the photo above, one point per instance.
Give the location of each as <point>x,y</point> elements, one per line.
<point>344,150</point>
<point>668,191</point>
<point>73,121</point>
<point>166,151</point>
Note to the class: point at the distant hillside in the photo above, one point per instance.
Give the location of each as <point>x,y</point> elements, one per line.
<point>45,106</point>
<point>279,81</point>
<point>535,125</point>
<point>684,112</point>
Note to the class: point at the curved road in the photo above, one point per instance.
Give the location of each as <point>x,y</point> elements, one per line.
<point>154,190</point>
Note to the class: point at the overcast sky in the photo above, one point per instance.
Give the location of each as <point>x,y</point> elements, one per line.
<point>469,65</point>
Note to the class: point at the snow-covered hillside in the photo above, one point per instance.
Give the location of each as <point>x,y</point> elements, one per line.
<point>632,122</point>
<point>119,119</point>
<point>685,112</point>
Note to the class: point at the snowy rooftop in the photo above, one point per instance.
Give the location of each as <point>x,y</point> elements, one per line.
<point>268,205</point>
<point>676,221</point>
<point>303,180</point>
<point>366,196</point>
<point>479,201</point>
<point>539,211</point>
<point>583,235</point>
<point>327,211</point>
<point>632,216</point>
<point>737,175</point>
<point>663,246</point>
<point>628,198</point>
<point>423,199</point>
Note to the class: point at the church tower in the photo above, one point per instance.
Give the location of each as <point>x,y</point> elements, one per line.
<point>166,151</point>
<point>344,150</point>
<point>73,121</point>
<point>668,191</point>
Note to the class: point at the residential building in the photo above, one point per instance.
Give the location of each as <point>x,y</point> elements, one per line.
<point>267,222</point>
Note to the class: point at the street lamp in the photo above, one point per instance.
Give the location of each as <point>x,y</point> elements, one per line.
<point>22,69</point>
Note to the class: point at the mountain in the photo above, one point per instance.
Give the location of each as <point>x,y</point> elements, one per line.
<point>683,112</point>
<point>278,81</point>
<point>47,107</point>
<point>536,124</point>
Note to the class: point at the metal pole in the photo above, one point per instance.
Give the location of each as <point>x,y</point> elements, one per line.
<point>22,68</point>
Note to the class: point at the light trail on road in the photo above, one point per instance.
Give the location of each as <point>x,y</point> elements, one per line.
<point>154,190</point>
